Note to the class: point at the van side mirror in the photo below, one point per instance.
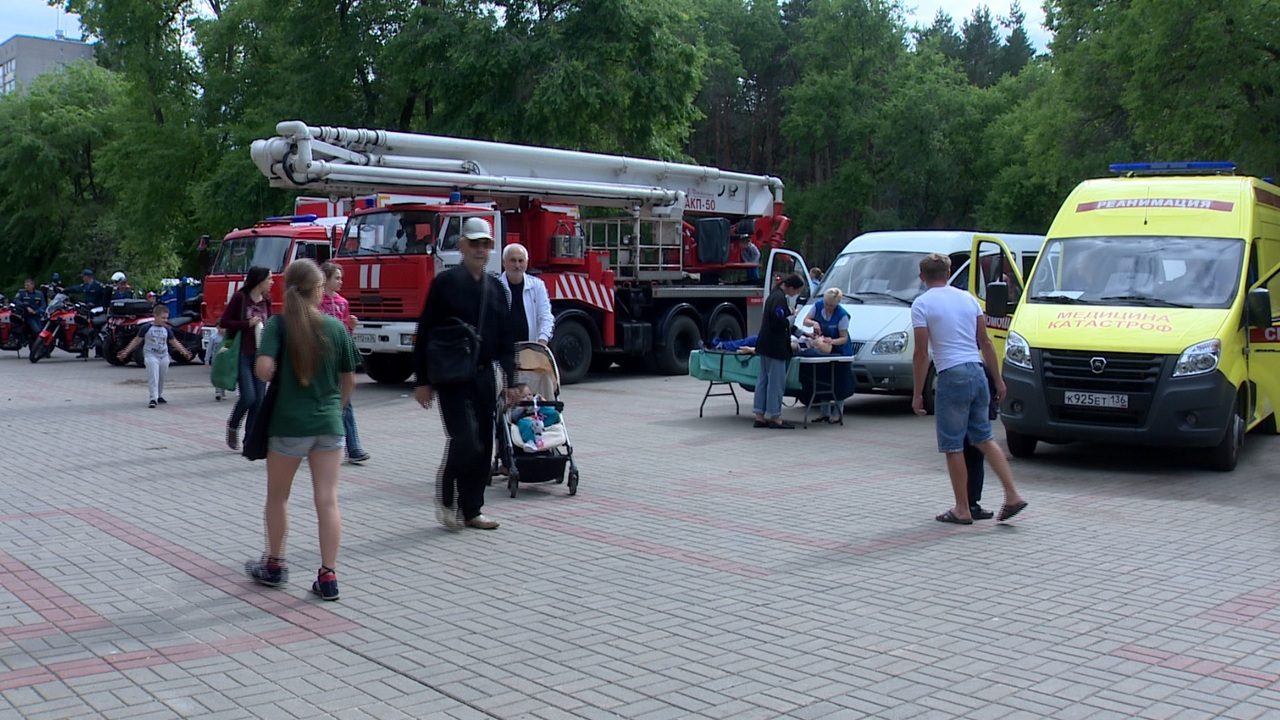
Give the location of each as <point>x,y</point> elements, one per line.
<point>998,299</point>
<point>1258,307</point>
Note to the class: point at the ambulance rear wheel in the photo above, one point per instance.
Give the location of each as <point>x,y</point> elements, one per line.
<point>388,368</point>
<point>1020,446</point>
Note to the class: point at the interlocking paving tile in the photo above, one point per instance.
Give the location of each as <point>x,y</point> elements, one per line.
<point>705,569</point>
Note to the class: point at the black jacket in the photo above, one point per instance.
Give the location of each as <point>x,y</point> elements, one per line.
<point>774,338</point>
<point>455,293</point>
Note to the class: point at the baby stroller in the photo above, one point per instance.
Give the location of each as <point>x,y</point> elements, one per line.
<point>527,463</point>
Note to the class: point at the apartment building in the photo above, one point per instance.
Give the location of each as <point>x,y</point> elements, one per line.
<point>23,57</point>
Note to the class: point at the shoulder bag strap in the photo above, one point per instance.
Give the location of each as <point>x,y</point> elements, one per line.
<point>484,304</point>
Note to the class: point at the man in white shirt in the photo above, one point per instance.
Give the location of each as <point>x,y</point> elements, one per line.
<point>530,305</point>
<point>948,321</point>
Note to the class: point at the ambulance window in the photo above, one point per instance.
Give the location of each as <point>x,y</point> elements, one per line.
<point>1273,286</point>
<point>1173,269</point>
<point>960,270</point>
<point>1028,262</point>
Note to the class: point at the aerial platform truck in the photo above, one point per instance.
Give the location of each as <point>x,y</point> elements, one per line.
<point>642,259</point>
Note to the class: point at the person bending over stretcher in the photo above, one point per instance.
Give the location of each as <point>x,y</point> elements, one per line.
<point>532,420</point>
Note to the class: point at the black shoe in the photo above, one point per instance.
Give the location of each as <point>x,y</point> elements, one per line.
<point>979,514</point>
<point>151,404</point>
<point>162,401</point>
<point>233,438</point>
<point>326,584</point>
<point>267,571</point>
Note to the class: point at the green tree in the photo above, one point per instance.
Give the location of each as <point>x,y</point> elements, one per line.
<point>1016,51</point>
<point>845,51</point>
<point>981,55</point>
<point>55,200</point>
<point>942,37</point>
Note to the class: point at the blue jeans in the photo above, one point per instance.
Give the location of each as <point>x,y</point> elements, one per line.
<point>252,390</point>
<point>353,436</point>
<point>771,385</point>
<point>962,404</point>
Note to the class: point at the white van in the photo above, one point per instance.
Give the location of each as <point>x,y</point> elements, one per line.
<point>879,274</point>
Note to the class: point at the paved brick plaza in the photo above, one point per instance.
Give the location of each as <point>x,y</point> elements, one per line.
<point>706,569</point>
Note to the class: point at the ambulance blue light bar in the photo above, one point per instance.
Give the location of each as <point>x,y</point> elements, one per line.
<point>293,218</point>
<point>1195,167</point>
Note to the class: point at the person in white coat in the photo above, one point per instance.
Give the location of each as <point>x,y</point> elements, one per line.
<point>531,317</point>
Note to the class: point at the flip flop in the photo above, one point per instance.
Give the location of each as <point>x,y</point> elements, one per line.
<point>950,517</point>
<point>1008,511</point>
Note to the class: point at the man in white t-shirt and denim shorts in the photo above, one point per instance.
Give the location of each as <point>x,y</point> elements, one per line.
<point>948,321</point>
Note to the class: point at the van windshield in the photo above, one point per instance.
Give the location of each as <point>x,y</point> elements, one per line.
<point>884,277</point>
<point>1139,271</point>
<point>236,256</point>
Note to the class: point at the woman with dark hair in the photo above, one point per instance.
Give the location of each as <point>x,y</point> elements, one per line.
<point>247,310</point>
<point>315,376</point>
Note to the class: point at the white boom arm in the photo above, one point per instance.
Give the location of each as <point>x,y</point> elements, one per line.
<point>350,161</point>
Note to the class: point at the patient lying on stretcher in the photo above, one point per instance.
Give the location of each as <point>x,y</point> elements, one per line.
<point>808,344</point>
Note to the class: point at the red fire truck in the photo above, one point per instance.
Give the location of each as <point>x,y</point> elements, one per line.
<point>272,243</point>
<point>641,258</point>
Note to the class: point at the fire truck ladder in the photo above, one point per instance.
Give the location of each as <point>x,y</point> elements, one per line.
<point>349,161</point>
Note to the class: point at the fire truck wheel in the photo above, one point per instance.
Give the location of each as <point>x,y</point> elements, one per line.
<point>388,369</point>
<point>572,347</point>
<point>682,338</point>
<point>725,327</point>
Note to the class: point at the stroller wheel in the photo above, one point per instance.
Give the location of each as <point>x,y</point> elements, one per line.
<point>512,484</point>
<point>573,482</point>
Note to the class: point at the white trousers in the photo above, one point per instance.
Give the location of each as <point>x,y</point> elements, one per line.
<point>157,368</point>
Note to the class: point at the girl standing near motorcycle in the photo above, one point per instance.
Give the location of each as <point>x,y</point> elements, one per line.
<point>246,311</point>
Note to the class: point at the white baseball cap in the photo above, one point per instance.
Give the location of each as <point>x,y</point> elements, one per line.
<point>477,228</point>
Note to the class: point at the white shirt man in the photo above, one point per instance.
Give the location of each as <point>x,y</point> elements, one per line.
<point>526,295</point>
<point>950,322</point>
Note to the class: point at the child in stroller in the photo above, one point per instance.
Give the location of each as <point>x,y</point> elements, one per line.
<point>532,416</point>
<point>533,438</point>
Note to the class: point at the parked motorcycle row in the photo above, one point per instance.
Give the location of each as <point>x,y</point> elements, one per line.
<point>84,331</point>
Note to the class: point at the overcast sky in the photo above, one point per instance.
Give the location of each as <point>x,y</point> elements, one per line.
<point>35,17</point>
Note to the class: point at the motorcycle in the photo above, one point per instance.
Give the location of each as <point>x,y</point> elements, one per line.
<point>187,329</point>
<point>15,334</point>
<point>68,325</point>
<point>124,317</point>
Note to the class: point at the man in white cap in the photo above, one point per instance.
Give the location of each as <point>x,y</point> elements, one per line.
<point>468,397</point>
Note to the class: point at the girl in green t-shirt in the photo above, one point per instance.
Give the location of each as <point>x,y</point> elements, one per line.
<point>315,367</point>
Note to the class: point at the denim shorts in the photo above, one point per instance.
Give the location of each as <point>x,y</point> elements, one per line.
<point>300,447</point>
<point>961,406</point>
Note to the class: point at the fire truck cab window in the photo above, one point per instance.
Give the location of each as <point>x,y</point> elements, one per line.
<point>237,255</point>
<point>402,232</point>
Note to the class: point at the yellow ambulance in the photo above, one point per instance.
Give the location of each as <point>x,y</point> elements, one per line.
<point>1152,316</point>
